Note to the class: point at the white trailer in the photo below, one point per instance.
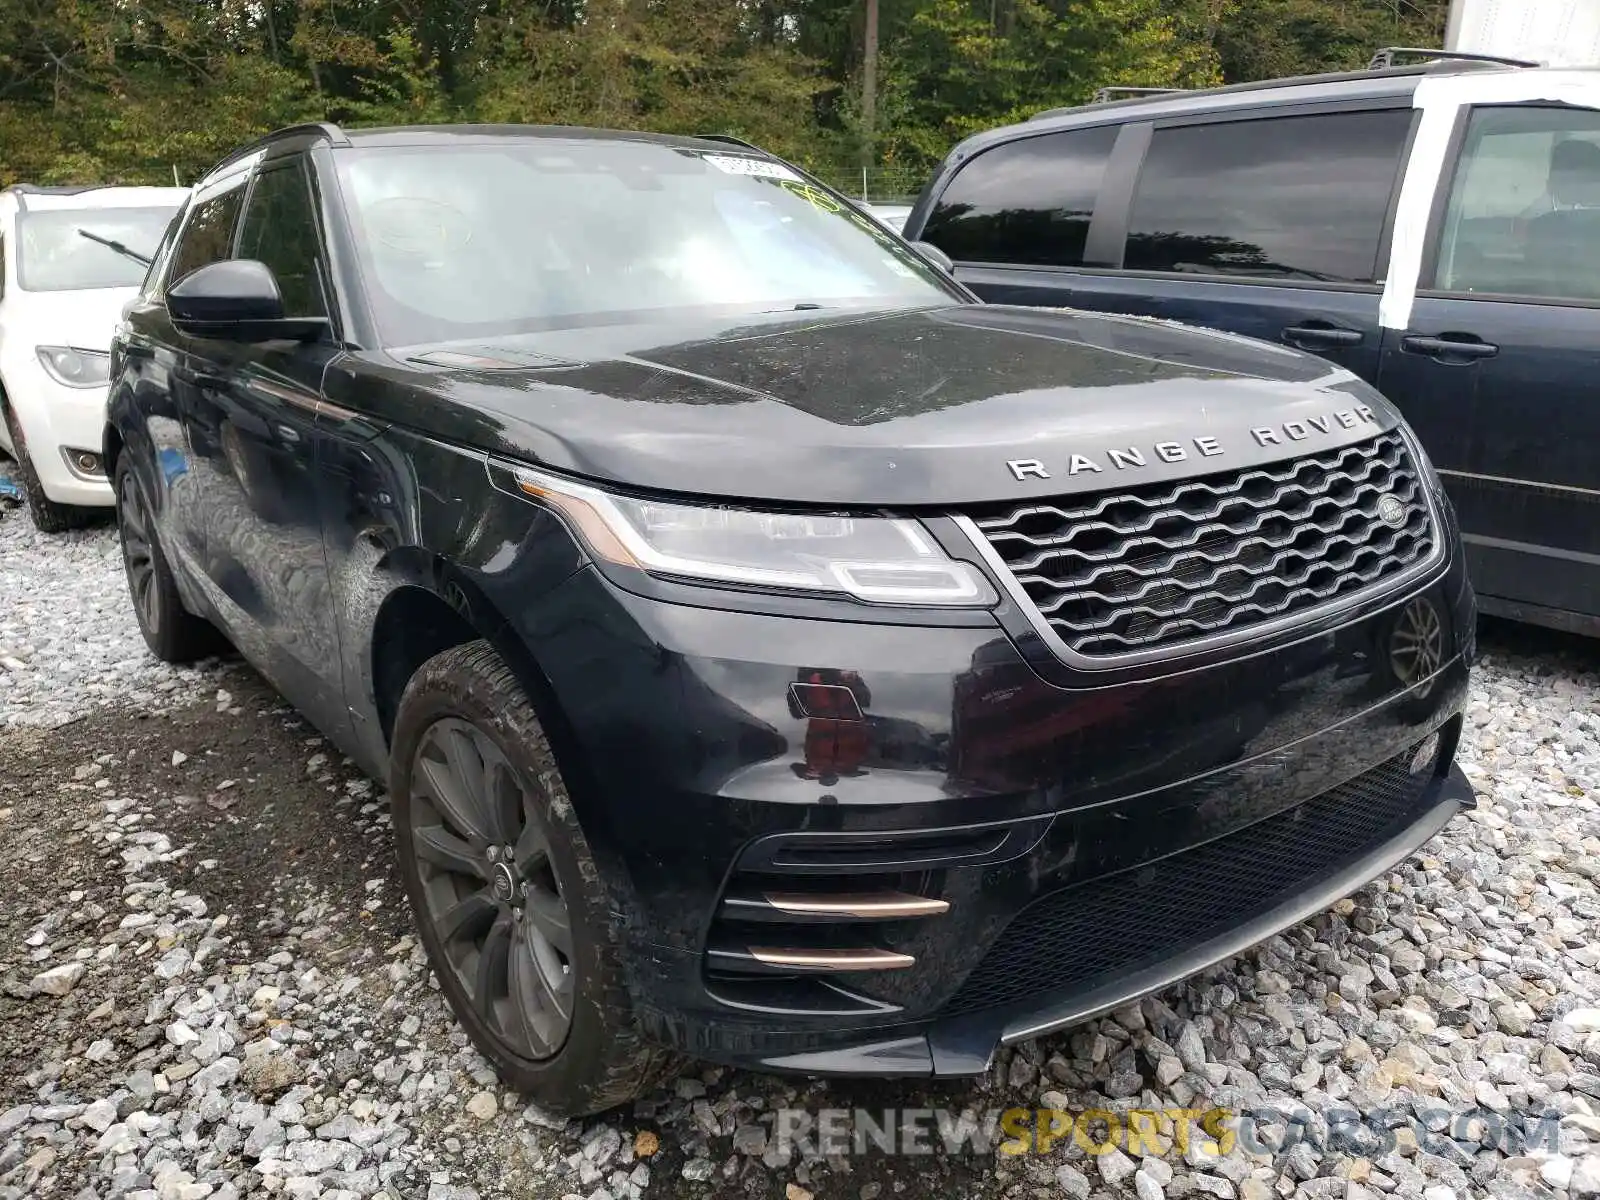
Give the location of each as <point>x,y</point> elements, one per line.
<point>1561,33</point>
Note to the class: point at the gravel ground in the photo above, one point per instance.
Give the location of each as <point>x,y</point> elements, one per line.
<point>208,987</point>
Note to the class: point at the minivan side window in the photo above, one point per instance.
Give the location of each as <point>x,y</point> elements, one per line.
<point>1303,197</point>
<point>1026,202</point>
<point>1524,211</point>
<point>208,236</point>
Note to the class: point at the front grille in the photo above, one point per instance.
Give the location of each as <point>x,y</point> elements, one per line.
<point>1159,566</point>
<point>1073,938</point>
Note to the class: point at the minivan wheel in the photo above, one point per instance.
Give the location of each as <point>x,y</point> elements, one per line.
<point>48,516</point>
<point>505,891</point>
<point>173,633</point>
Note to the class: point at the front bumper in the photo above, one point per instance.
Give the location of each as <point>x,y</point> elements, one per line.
<point>53,418</point>
<point>970,780</point>
<point>965,1045</point>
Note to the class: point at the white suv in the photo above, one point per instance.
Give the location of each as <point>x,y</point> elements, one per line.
<point>70,258</point>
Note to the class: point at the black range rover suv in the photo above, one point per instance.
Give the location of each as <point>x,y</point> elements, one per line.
<point>775,655</point>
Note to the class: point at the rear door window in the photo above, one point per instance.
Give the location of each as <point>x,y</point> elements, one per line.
<point>1302,197</point>
<point>1524,211</point>
<point>1027,202</point>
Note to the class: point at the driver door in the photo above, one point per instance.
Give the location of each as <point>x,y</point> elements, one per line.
<point>258,403</point>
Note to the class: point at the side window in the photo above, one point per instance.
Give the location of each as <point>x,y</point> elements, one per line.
<point>1027,201</point>
<point>280,229</point>
<point>1524,210</point>
<point>1279,197</point>
<point>208,237</point>
<point>160,259</point>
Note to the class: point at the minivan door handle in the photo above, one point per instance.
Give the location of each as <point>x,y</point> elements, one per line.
<point>1321,335</point>
<point>1453,348</point>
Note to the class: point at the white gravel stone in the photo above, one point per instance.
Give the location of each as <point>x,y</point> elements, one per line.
<point>68,641</point>
<point>58,981</point>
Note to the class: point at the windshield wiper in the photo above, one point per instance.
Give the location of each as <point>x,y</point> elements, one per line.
<point>119,247</point>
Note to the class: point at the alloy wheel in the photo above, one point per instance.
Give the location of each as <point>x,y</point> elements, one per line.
<point>1416,647</point>
<point>482,853</point>
<point>137,553</point>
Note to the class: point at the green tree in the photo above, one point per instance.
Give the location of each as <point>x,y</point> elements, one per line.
<point>123,91</point>
<point>960,66</point>
<point>1265,39</point>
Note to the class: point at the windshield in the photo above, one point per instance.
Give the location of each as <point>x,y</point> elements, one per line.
<point>543,233</point>
<point>52,256</point>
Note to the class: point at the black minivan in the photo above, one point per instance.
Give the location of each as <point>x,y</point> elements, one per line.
<point>1435,229</point>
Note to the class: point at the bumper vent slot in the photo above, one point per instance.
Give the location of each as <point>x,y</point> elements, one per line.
<point>809,919</point>
<point>806,944</point>
<point>1074,938</point>
<point>793,960</point>
<point>1165,566</point>
<point>802,907</point>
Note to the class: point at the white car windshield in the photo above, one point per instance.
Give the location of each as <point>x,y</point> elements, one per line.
<point>61,250</point>
<point>520,234</point>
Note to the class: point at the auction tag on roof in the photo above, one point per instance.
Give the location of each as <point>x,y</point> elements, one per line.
<point>761,168</point>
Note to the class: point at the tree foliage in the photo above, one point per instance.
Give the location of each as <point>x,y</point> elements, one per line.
<point>137,90</point>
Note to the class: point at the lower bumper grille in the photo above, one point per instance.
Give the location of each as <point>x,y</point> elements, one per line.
<point>1107,926</point>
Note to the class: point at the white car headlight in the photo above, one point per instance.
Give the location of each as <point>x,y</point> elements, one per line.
<point>76,368</point>
<point>879,560</point>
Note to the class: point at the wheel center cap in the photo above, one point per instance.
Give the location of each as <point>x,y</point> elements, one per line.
<point>503,883</point>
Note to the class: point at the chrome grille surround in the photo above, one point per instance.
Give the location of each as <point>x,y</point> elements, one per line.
<point>1120,578</point>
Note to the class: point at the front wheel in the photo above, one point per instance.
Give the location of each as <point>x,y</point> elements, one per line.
<point>173,633</point>
<point>505,891</point>
<point>48,515</point>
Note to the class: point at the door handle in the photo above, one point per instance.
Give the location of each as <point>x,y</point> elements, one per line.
<point>1449,348</point>
<point>1321,335</point>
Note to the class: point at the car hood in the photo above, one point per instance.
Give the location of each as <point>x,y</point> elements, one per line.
<point>953,405</point>
<point>85,319</point>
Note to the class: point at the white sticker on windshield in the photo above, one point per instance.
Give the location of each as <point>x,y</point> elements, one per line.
<point>761,168</point>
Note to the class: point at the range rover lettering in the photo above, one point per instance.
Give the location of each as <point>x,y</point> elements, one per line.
<point>738,695</point>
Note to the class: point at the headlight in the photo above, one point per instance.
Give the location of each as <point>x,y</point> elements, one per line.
<point>879,560</point>
<point>76,368</point>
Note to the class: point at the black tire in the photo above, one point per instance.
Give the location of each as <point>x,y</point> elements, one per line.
<point>48,516</point>
<point>173,633</point>
<point>465,724</point>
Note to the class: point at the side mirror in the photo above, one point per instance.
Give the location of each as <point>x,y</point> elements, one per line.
<point>238,300</point>
<point>935,255</point>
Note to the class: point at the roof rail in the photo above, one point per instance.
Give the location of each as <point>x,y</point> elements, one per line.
<point>326,129</point>
<point>731,140</point>
<point>66,189</point>
<point>23,190</point>
<point>1106,95</point>
<point>1385,58</point>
